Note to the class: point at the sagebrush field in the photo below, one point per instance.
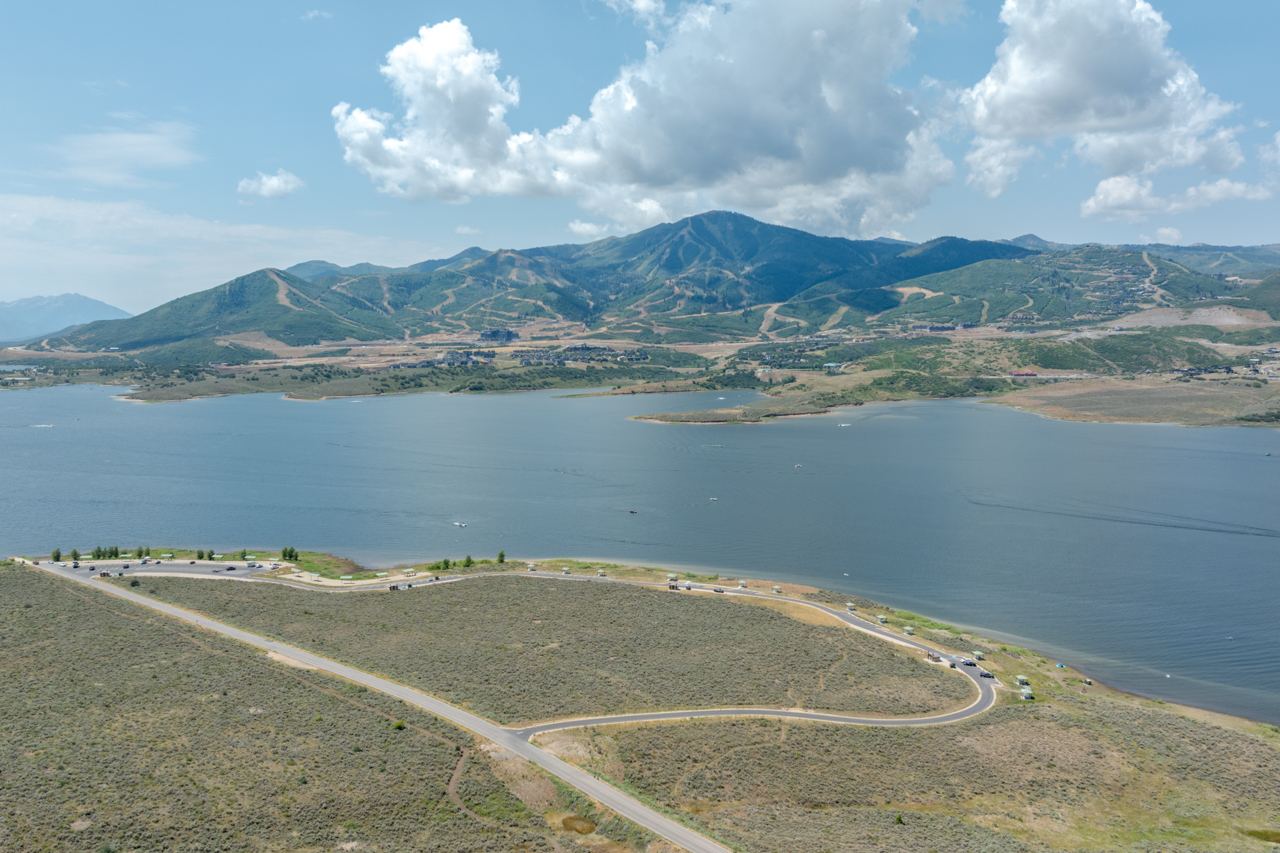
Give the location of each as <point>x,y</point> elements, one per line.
<point>122,730</point>
<point>517,649</point>
<point>1073,772</point>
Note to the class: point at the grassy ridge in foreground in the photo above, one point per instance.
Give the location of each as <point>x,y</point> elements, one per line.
<point>517,649</point>
<point>1075,773</point>
<point>122,730</point>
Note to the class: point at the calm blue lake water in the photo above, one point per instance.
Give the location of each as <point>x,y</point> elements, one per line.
<point>1131,551</point>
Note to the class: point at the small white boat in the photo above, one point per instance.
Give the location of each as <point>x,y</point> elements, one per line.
<point>459,524</point>
<point>844,424</point>
<point>715,499</point>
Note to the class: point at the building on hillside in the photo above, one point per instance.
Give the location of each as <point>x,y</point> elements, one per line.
<point>498,336</point>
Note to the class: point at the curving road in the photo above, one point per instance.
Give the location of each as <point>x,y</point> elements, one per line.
<point>518,740</point>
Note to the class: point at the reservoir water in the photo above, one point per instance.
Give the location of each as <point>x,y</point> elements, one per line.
<point>1145,555</point>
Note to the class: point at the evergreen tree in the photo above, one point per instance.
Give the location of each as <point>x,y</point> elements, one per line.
<point>139,552</point>
<point>75,555</point>
<point>148,554</point>
<point>56,555</point>
<point>199,555</point>
<point>468,562</point>
<point>502,556</point>
<point>243,553</point>
<point>445,563</point>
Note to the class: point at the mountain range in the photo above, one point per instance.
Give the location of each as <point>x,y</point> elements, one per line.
<point>715,270</point>
<point>32,318</point>
<point>709,277</point>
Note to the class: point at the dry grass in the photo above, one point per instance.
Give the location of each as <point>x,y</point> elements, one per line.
<point>517,649</point>
<point>1094,772</point>
<point>123,730</point>
<point>799,612</point>
<point>1196,403</point>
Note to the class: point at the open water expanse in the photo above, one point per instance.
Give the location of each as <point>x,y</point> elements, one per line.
<point>1134,552</point>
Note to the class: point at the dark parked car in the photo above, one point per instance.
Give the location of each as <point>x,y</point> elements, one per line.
<point>986,675</point>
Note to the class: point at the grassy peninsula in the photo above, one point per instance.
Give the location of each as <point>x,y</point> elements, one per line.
<point>1082,767</point>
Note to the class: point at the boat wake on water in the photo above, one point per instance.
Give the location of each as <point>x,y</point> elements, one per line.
<point>1127,515</point>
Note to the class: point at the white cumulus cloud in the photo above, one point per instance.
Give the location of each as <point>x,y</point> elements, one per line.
<point>1271,153</point>
<point>782,110</point>
<point>994,163</point>
<point>1133,199</point>
<point>117,157</point>
<point>282,183</point>
<point>588,230</point>
<point>313,14</point>
<point>649,12</point>
<point>1168,236</point>
<point>466,230</point>
<point>1100,74</point>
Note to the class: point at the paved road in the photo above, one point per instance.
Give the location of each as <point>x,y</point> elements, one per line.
<point>508,739</point>
<point>517,740</point>
<point>986,686</point>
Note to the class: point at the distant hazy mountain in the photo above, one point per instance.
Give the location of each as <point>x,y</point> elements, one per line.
<point>312,270</point>
<point>1031,241</point>
<point>1246,261</point>
<point>43,315</point>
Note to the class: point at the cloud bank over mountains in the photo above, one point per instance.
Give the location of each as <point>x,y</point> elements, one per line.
<point>785,110</point>
<point>789,116</point>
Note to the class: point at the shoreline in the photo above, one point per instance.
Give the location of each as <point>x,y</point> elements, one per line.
<point>979,632</point>
<point>662,417</point>
<point>712,576</point>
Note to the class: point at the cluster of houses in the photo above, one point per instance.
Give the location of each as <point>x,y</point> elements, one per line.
<point>941,327</point>
<point>789,355</point>
<point>1199,371</point>
<point>456,358</point>
<point>578,353</point>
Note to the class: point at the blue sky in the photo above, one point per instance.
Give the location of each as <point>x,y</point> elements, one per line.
<point>156,149</point>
